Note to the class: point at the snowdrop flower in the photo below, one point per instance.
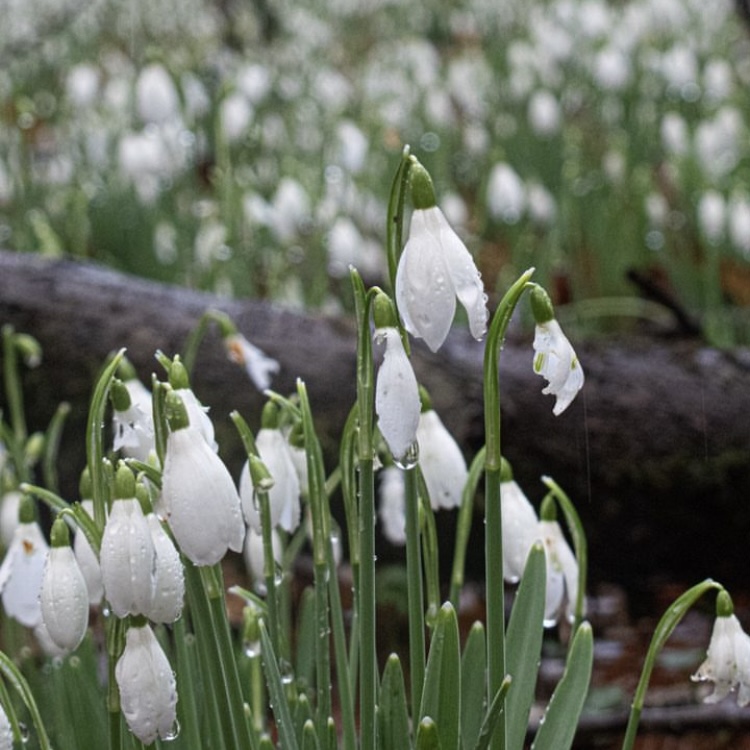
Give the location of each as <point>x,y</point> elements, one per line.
<point>169,577</point>
<point>197,414</point>
<point>156,95</point>
<point>64,598</point>
<point>260,367</point>
<point>396,395</point>
<point>127,552</point>
<point>391,506</point>
<point>562,571</point>
<point>442,463</point>
<point>23,567</point>
<point>148,692</point>
<point>506,194</point>
<point>520,526</point>
<point>236,114</point>
<point>554,357</point>
<point>88,561</point>
<point>739,223</point>
<point>435,268</point>
<point>6,731</point>
<point>255,558</point>
<point>132,420</point>
<point>712,215</point>
<point>727,662</point>
<point>352,146</point>
<point>199,497</point>
<point>284,493</point>
<point>544,113</point>
<point>9,505</point>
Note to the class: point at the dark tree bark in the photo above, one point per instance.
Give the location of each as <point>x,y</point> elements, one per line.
<point>655,451</point>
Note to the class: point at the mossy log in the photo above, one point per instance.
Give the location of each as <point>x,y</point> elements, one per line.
<point>655,451</point>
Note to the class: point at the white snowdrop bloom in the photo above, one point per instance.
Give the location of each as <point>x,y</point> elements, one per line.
<point>82,85</point>
<point>541,204</point>
<point>291,209</point>
<point>435,267</point>
<point>391,505</point>
<point>557,362</point>
<point>657,209</point>
<point>259,366</point>
<point>727,662</point>
<point>197,100</point>
<point>344,243</point>
<point>133,427</point>
<point>562,573</point>
<point>200,499</point>
<point>739,223</point>
<point>6,731</point>
<point>156,95</point>
<point>397,401</point>
<point>284,495</point>
<point>254,81</point>
<point>169,577</point>
<point>712,215</point>
<point>679,66</point>
<point>6,184</point>
<point>210,243</point>
<point>21,574</point>
<point>88,561</point>
<point>612,69</point>
<point>127,559</point>
<point>717,142</point>
<point>442,463</point>
<point>198,416</point>
<point>236,114</point>
<point>718,80</point>
<point>506,194</point>
<point>455,209</point>
<point>675,136</point>
<point>254,556</point>
<point>64,598</point>
<point>148,692</point>
<point>352,146</point>
<point>520,529</point>
<point>9,505</point>
<point>544,113</point>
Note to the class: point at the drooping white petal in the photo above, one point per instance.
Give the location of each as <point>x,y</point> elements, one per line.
<point>169,577</point>
<point>88,561</point>
<point>443,465</point>
<point>64,599</point>
<point>134,428</point>
<point>391,510</point>
<point>562,567</point>
<point>148,693</point>
<point>424,291</point>
<point>21,574</point>
<point>520,529</point>
<point>127,559</point>
<point>200,499</point>
<point>742,657</point>
<point>255,558</point>
<point>396,395</point>
<point>557,362</point>
<point>260,367</point>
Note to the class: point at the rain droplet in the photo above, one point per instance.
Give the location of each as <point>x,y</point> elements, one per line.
<point>173,733</point>
<point>252,649</point>
<point>410,459</point>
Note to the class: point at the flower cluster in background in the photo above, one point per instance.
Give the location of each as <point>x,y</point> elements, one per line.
<point>244,148</point>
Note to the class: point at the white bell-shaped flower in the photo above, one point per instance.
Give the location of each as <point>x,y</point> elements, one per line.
<point>520,529</point>
<point>132,419</point>
<point>562,573</point>
<point>259,366</point>
<point>397,401</point>
<point>198,494</point>
<point>148,692</point>
<point>557,362</point>
<point>255,557</point>
<point>22,569</point>
<point>88,561</point>
<point>727,662</point>
<point>64,597</point>
<point>284,495</point>
<point>442,463</point>
<point>169,576</point>
<point>391,505</point>
<point>198,416</point>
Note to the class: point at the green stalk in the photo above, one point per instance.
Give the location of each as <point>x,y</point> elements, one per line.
<point>14,392</point>
<point>52,445</point>
<point>493,541</point>
<point>414,590</point>
<point>186,680</point>
<point>669,621</point>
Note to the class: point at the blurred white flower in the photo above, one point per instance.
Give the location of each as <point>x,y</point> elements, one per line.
<point>82,84</point>
<point>259,366</point>
<point>156,95</point>
<point>718,80</point>
<point>290,209</point>
<point>557,362</point>
<point>717,142</point>
<point>391,500</point>
<point>679,66</point>
<point>739,223</point>
<point>675,136</point>
<point>544,113</point>
<point>712,215</point>
<point>396,395</point>
<point>506,194</point>
<point>541,204</point>
<point>612,69</point>
<point>148,693</point>
<point>254,81</point>
<point>352,146</point>
<point>435,267</point>
<point>657,209</point>
<point>21,574</point>
<point>442,463</point>
<point>347,247</point>
<point>236,114</point>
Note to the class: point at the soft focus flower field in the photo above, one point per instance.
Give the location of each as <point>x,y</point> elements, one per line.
<point>245,148</point>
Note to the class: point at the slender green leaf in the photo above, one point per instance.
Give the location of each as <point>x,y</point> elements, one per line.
<point>494,712</point>
<point>302,715</point>
<point>558,729</point>
<point>428,737</point>
<point>473,685</point>
<point>309,737</point>
<point>524,646</point>
<point>305,651</point>
<point>393,716</point>
<point>277,693</point>
<point>441,697</point>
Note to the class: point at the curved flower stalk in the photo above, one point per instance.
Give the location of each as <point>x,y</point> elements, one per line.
<point>199,497</point>
<point>64,597</point>
<point>127,552</point>
<point>554,358</point>
<point>23,567</point>
<point>727,662</point>
<point>435,268</point>
<point>169,578</point>
<point>148,693</point>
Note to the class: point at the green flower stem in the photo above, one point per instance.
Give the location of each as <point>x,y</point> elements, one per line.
<point>198,333</point>
<point>414,590</point>
<point>493,516</point>
<point>669,621</point>
<point>14,392</point>
<point>576,529</point>
<point>463,526</point>
<point>11,673</point>
<point>52,445</point>
<point>430,558</point>
<point>187,707</point>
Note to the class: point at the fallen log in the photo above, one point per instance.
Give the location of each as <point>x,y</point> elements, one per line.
<point>655,451</point>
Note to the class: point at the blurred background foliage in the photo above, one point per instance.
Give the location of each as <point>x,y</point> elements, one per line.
<point>247,148</point>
